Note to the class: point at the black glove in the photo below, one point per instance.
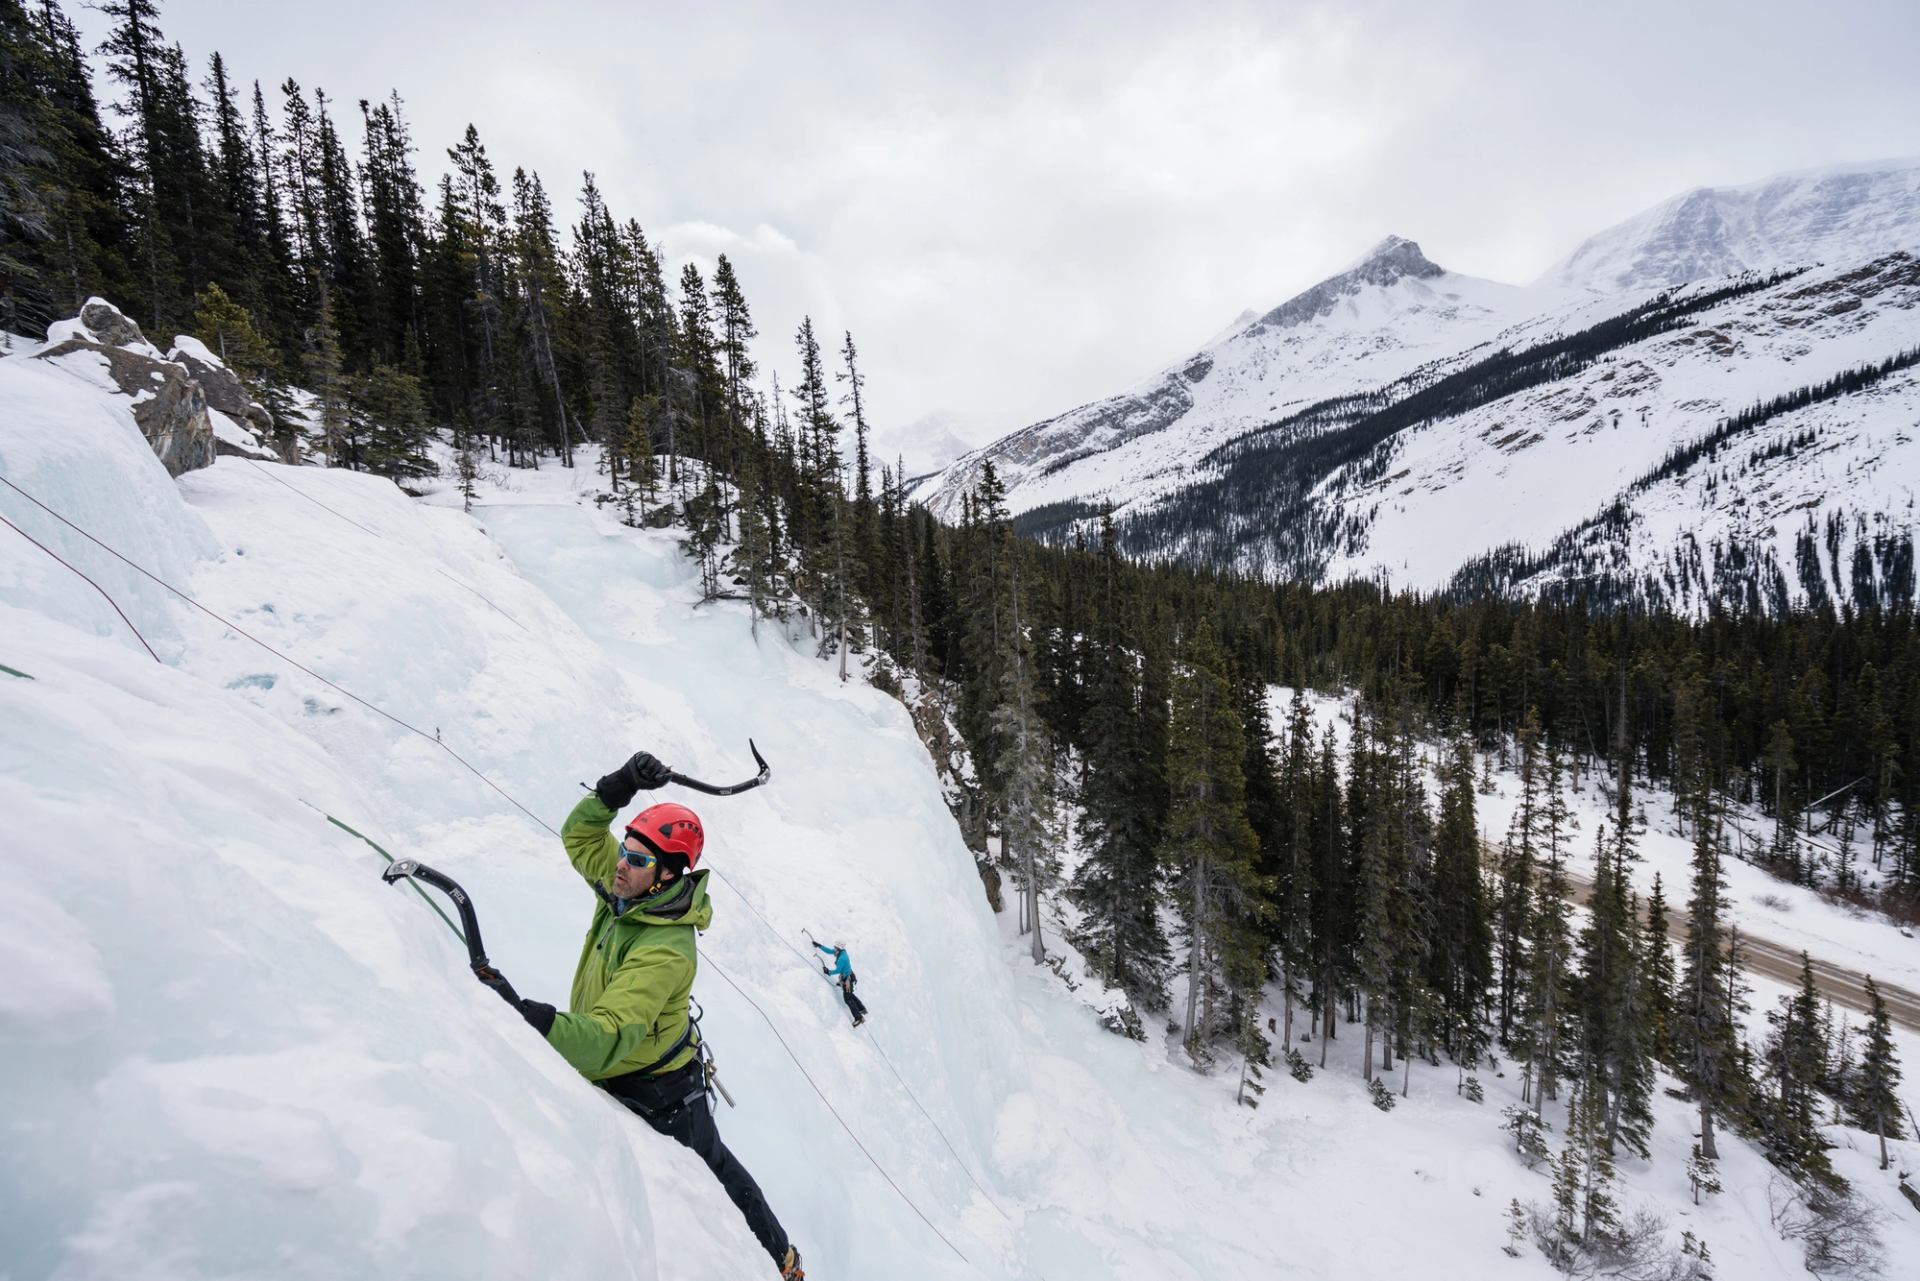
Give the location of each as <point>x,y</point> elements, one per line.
<point>537,1013</point>
<point>643,770</point>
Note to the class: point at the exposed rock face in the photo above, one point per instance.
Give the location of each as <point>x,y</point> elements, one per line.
<point>226,393</point>
<point>1391,261</point>
<point>108,327</point>
<point>169,405</point>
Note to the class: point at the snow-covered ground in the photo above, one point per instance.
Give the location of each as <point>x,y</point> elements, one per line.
<point>230,1050</point>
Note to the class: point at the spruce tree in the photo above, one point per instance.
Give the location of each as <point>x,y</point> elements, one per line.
<point>1293,896</point>
<point>1657,950</point>
<point>63,180</point>
<point>1209,847</point>
<point>1513,910</point>
<point>1334,920</point>
<point>392,407</point>
<point>1705,1035</point>
<point>396,230</point>
<point>1795,1056</point>
<point>1547,1007</point>
<point>734,332</point>
<point>863,534</point>
<point>1027,827</point>
<point>1875,1103</point>
<point>539,303</point>
<point>1461,968</point>
<point>228,331</point>
<point>1120,933</point>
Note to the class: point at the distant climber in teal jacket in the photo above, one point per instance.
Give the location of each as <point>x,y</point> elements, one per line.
<point>842,972</point>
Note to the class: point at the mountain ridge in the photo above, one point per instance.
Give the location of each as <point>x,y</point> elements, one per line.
<point>1394,322</point>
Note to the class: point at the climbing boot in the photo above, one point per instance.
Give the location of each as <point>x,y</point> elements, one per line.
<point>790,1270</point>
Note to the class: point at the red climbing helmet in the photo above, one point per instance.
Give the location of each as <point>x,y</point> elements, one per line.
<point>669,829</point>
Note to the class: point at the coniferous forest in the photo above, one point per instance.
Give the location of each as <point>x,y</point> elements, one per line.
<point>1229,852</point>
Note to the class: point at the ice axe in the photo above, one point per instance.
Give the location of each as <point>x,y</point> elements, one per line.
<point>731,789</point>
<point>403,869</point>
<point>723,789</point>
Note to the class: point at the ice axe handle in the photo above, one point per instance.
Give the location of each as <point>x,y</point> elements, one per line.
<point>407,868</point>
<point>733,789</point>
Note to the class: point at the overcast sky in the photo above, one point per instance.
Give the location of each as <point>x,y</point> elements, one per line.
<point>1021,207</point>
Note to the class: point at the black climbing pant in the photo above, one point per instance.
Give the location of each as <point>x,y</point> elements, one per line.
<point>855,1006</point>
<point>677,1106</point>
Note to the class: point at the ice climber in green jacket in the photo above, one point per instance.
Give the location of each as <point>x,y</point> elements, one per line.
<point>626,1026</point>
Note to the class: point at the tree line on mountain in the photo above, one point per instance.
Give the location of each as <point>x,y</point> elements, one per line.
<point>1845,383</point>
<point>1269,501</point>
<point>1733,574</point>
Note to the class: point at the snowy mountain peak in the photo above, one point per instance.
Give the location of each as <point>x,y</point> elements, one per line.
<point>1395,256</point>
<point>1822,215</point>
<point>1388,263</point>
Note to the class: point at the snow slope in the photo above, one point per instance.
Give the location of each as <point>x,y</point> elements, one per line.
<point>231,1051</point>
<point>1833,214</point>
<point>1531,465</point>
<point>1384,316</point>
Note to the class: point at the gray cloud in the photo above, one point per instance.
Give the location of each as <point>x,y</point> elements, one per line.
<point>1020,207</point>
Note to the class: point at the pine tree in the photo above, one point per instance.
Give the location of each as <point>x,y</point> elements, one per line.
<point>276,298</point>
<point>1388,832</point>
<point>540,300</point>
<point>1587,1128</point>
<point>1795,1056</point>
<point>1293,896</point>
<point>1462,955</point>
<point>326,378</point>
<point>396,232</point>
<point>864,539</point>
<point>390,409</point>
<point>820,495</point>
<point>227,330</point>
<point>1613,1011</point>
<point>1113,886</point>
<point>1332,912</point>
<point>1703,1174</point>
<point>1027,829</point>
<point>1786,813</point>
<point>235,185</point>
<point>696,366</point>
<point>162,150</point>
<point>1209,847</point>
<point>1705,1041</point>
<point>1513,910</point>
<point>1657,949</point>
<point>1876,1102</point>
<point>342,256</point>
<point>63,181</point>
<point>735,332</point>
<point>1547,1005</point>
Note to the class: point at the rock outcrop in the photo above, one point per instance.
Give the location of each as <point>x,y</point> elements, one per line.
<point>169,404</point>
<point>225,392</point>
<point>109,327</point>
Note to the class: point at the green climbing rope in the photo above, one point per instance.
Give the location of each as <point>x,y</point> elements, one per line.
<point>424,896</point>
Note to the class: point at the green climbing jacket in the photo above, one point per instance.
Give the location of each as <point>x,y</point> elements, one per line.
<point>629,1001</point>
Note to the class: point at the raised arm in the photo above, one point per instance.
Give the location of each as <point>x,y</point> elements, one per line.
<point>591,848</point>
